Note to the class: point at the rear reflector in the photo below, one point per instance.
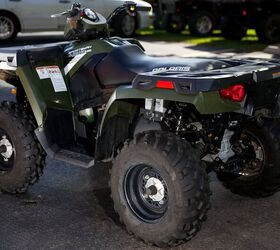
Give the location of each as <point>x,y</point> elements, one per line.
<point>235,93</point>
<point>165,85</point>
<point>244,13</point>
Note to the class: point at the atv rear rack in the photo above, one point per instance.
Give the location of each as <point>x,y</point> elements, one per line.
<point>241,71</point>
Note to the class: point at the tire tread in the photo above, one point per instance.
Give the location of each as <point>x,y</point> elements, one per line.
<point>34,155</point>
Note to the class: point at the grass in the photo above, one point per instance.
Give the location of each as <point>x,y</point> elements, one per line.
<point>214,42</point>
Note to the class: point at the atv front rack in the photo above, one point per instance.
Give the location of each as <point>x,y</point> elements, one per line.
<point>241,71</point>
<point>10,55</point>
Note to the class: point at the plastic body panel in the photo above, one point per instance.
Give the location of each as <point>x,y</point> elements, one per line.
<point>40,92</point>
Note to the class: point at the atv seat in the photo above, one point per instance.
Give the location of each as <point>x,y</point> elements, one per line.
<point>124,63</point>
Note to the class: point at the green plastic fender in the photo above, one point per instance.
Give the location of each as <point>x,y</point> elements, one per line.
<point>204,102</point>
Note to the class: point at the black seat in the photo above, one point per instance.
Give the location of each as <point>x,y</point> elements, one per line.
<point>124,63</point>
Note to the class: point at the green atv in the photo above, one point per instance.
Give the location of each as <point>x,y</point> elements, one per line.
<point>164,123</point>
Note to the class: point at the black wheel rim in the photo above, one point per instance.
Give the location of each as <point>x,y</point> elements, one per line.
<point>7,152</point>
<point>253,156</point>
<point>146,193</point>
<point>204,25</point>
<point>273,31</point>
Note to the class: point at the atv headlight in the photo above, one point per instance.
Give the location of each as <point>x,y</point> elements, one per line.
<point>131,7</point>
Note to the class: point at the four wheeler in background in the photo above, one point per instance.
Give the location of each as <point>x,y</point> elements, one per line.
<point>163,123</point>
<point>33,16</point>
<point>233,17</point>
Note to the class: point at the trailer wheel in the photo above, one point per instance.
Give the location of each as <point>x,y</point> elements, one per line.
<point>233,31</point>
<point>160,188</point>
<point>268,29</point>
<point>22,158</point>
<point>175,24</point>
<point>261,174</point>
<point>9,27</point>
<point>201,23</point>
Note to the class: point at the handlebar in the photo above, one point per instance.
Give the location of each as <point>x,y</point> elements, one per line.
<point>74,11</point>
<point>129,7</point>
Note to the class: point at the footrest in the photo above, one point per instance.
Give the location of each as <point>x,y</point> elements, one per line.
<point>74,158</point>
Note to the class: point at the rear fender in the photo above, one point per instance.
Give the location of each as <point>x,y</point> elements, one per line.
<point>123,108</point>
<point>205,103</point>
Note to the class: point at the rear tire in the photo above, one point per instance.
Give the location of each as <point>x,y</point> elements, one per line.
<point>201,23</point>
<point>267,182</point>
<point>162,163</point>
<point>268,29</point>
<point>22,159</point>
<point>9,27</point>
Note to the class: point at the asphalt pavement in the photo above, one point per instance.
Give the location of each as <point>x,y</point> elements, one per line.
<point>70,208</point>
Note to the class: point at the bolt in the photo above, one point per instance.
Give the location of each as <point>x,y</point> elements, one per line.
<point>146,196</point>
<point>161,202</point>
<point>147,177</point>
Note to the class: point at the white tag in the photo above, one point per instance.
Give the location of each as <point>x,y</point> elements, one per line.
<point>159,106</point>
<point>42,73</point>
<point>148,104</point>
<point>57,79</point>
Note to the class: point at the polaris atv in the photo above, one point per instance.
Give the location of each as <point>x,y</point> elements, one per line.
<point>164,123</point>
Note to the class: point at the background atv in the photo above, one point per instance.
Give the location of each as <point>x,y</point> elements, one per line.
<point>164,123</point>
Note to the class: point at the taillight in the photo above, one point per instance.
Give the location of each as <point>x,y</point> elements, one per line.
<point>235,93</point>
<point>165,85</point>
<point>244,12</point>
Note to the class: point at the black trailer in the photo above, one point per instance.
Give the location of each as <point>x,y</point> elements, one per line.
<point>233,17</point>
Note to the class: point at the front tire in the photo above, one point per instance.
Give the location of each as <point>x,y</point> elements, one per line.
<point>263,179</point>
<point>22,158</point>
<point>160,189</point>
<point>125,25</point>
